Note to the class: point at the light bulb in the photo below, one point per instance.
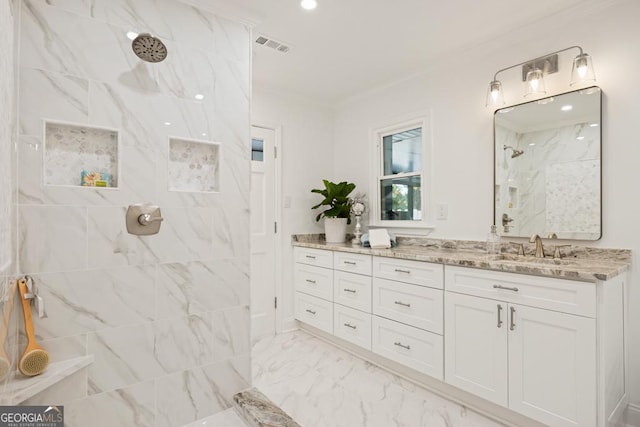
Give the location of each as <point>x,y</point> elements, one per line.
<point>582,71</point>
<point>495,97</point>
<point>535,83</point>
<point>309,4</point>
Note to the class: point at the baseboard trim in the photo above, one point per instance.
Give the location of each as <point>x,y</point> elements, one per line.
<point>618,414</point>
<point>632,415</point>
<point>289,325</point>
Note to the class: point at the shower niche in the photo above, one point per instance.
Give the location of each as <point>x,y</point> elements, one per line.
<point>80,155</point>
<point>194,166</point>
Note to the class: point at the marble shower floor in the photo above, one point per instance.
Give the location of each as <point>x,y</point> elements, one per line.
<point>319,385</point>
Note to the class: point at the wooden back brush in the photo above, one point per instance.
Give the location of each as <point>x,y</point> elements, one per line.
<point>5,362</point>
<point>35,359</point>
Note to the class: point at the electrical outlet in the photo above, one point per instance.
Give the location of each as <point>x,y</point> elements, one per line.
<point>442,211</point>
<point>287,201</point>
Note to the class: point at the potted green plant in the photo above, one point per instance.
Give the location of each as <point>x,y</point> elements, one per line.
<point>338,204</point>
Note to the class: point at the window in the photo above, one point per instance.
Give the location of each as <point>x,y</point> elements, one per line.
<point>257,150</point>
<point>401,158</point>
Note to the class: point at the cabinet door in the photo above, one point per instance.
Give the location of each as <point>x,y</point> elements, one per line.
<point>552,366</point>
<point>475,338</point>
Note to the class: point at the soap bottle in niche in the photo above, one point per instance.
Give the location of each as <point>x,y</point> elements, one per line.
<point>493,241</point>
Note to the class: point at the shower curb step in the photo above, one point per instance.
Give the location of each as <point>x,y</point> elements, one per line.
<point>257,410</point>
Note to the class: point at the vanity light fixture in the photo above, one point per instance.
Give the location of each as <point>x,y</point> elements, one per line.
<point>534,70</point>
<point>309,4</point>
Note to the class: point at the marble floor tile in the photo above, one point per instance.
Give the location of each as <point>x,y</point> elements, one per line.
<point>320,385</point>
<point>226,418</point>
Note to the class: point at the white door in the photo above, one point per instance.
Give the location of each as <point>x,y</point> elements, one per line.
<point>552,367</point>
<point>263,241</point>
<point>475,346</point>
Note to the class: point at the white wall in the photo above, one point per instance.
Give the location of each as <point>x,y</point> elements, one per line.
<point>454,91</point>
<point>306,153</point>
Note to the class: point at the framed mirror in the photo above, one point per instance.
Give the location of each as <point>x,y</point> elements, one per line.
<point>547,167</point>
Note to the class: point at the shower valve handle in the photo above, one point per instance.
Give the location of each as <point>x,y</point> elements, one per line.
<point>146,219</point>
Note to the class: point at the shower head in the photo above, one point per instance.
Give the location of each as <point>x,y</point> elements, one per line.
<point>149,48</point>
<point>515,152</point>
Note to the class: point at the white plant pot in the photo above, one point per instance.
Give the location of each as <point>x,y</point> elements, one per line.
<point>335,229</point>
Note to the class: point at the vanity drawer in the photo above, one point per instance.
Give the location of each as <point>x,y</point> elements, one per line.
<point>310,256</point>
<point>352,290</point>
<point>567,296</point>
<point>415,348</point>
<point>414,305</point>
<point>352,325</point>
<point>314,311</point>
<point>316,281</point>
<point>353,263</point>
<point>416,272</point>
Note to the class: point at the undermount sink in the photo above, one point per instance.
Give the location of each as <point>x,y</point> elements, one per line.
<point>524,259</point>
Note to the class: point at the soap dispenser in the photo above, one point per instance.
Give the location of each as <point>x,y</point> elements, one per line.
<point>493,241</point>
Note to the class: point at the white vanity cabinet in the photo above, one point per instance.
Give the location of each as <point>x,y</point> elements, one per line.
<point>313,280</point>
<point>506,341</point>
<point>549,349</point>
<point>407,309</point>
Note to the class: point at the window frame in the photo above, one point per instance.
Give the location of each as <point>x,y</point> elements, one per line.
<point>421,120</point>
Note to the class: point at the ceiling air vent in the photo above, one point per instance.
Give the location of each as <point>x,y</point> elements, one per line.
<point>272,44</point>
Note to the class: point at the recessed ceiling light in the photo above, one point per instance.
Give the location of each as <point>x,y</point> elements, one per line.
<point>567,107</point>
<point>167,123</point>
<point>593,125</point>
<point>131,35</point>
<point>204,134</point>
<point>199,96</point>
<point>309,4</point>
<point>580,138</point>
<point>531,144</point>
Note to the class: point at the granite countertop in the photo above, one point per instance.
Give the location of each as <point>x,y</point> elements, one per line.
<point>578,262</point>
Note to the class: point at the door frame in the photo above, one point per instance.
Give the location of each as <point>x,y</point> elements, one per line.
<point>277,143</point>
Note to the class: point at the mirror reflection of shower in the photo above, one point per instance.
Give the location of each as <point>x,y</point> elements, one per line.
<point>515,152</point>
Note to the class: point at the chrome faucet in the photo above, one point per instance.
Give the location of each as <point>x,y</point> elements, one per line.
<point>539,249</point>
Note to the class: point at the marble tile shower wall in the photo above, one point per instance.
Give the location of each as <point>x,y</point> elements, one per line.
<point>166,316</point>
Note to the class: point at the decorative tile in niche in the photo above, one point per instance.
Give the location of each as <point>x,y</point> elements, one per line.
<point>194,166</point>
<point>80,155</point>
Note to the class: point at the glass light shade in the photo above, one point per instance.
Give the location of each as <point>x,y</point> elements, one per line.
<point>495,96</point>
<point>535,83</point>
<point>582,71</point>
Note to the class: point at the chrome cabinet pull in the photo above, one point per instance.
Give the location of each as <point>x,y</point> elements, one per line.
<point>310,281</point>
<point>506,288</point>
<point>513,324</point>
<point>310,256</point>
<point>404,304</point>
<point>499,315</point>
<point>399,344</point>
<point>349,262</point>
<point>353,291</point>
<point>348,325</point>
<point>310,311</point>
<point>398,270</point>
